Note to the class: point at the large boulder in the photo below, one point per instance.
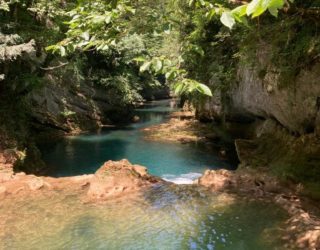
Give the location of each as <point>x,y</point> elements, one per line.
<point>116,178</point>
<point>113,179</point>
<point>244,181</point>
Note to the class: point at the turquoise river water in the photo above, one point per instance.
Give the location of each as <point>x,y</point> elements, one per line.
<point>163,217</point>
<point>176,162</point>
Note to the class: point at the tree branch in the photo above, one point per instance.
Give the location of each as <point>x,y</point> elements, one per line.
<point>55,67</point>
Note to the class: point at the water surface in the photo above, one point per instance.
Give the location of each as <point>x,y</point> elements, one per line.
<point>163,217</point>
<point>173,161</point>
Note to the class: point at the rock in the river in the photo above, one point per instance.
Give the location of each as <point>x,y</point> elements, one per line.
<point>243,181</point>
<point>3,191</point>
<point>135,118</point>
<point>35,184</point>
<point>118,178</point>
<point>113,179</point>
<point>5,176</point>
<point>217,180</point>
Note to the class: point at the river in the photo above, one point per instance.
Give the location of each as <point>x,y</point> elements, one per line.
<point>84,154</point>
<point>161,217</point>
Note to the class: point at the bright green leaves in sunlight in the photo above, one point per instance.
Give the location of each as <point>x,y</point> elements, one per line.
<point>229,17</point>
<point>102,26</point>
<point>157,65</point>
<point>181,84</point>
<point>253,9</point>
<point>4,5</point>
<point>94,25</point>
<point>191,87</point>
<point>257,7</point>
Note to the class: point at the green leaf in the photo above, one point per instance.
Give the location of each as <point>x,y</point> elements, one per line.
<point>227,19</point>
<point>108,19</point>
<point>273,3</point>
<point>273,11</point>
<point>253,6</point>
<point>240,11</point>
<point>145,67</point>
<point>178,88</point>
<point>52,48</point>
<point>85,35</point>
<point>158,65</point>
<point>171,75</point>
<point>98,19</point>
<point>139,59</point>
<point>274,6</point>
<point>62,51</point>
<point>105,47</point>
<point>257,7</point>
<point>204,89</point>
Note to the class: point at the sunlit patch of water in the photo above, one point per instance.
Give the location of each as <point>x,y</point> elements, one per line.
<point>163,217</point>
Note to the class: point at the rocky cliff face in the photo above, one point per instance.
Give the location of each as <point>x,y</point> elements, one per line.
<point>294,106</point>
<point>283,118</point>
<point>69,104</point>
<point>45,96</point>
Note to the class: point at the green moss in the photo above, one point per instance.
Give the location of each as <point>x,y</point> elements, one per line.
<point>288,46</point>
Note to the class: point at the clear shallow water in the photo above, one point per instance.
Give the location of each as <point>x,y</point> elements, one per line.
<point>164,217</point>
<point>86,153</point>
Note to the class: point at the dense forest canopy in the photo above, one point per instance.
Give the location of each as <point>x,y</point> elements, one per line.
<point>109,28</point>
<point>130,34</point>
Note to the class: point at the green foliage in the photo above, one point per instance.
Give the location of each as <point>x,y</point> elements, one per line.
<point>105,27</point>
<point>123,89</point>
<point>230,15</point>
<point>94,25</point>
<point>191,87</point>
<point>131,47</point>
<point>67,113</point>
<point>182,86</point>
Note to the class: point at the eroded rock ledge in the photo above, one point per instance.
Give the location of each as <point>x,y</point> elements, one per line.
<point>123,179</point>
<point>113,179</point>
<point>303,227</point>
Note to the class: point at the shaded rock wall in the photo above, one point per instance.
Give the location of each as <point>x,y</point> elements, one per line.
<point>282,118</point>
<point>295,106</point>
<point>41,95</point>
<point>66,103</point>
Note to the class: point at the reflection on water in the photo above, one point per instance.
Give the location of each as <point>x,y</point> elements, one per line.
<point>164,217</point>
<point>86,153</point>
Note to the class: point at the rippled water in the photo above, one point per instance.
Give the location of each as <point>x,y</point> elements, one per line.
<point>164,217</point>
<point>176,162</point>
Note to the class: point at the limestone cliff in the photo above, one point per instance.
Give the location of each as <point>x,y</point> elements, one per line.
<point>43,95</point>
<point>283,118</point>
<point>294,106</point>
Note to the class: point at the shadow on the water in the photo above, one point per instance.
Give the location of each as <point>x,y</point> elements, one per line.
<point>76,157</point>
<point>84,154</point>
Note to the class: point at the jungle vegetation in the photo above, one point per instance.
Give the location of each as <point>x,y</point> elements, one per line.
<point>138,40</point>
